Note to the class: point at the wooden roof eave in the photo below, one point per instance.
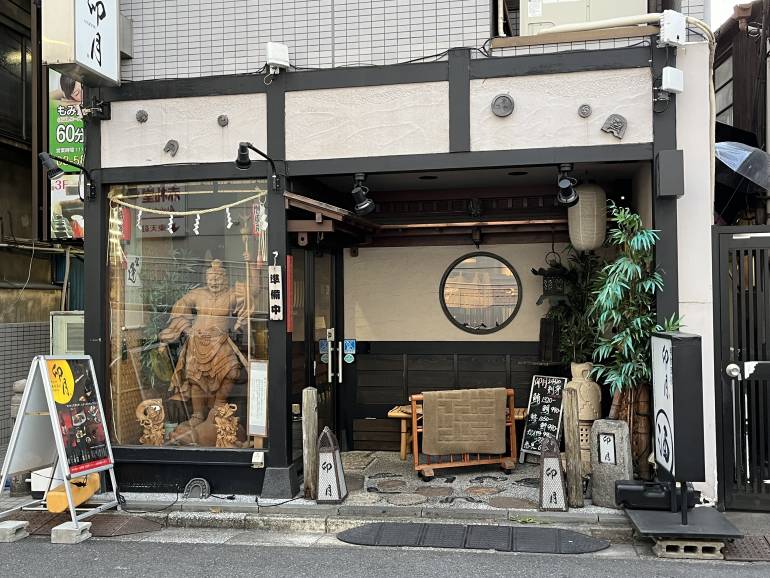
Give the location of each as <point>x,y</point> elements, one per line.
<point>349,220</point>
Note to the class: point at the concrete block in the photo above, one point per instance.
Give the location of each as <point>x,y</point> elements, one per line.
<point>615,464</point>
<point>689,549</point>
<point>67,533</point>
<point>556,517</point>
<point>376,511</point>
<point>207,520</point>
<point>463,514</point>
<point>285,523</point>
<point>280,483</point>
<point>13,531</point>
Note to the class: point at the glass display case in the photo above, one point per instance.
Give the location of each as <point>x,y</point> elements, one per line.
<point>188,311</point>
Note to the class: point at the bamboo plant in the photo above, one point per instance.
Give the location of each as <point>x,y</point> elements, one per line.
<point>624,308</point>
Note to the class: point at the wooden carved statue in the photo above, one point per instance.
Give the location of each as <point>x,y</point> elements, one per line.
<point>209,362</point>
<point>151,417</point>
<point>227,426</point>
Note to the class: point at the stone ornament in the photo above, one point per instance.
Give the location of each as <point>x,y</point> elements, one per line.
<point>615,125</point>
<point>172,147</point>
<point>604,473</point>
<point>141,116</point>
<point>222,120</point>
<point>553,491</point>
<point>151,417</point>
<point>502,105</point>
<point>584,111</point>
<point>589,397</point>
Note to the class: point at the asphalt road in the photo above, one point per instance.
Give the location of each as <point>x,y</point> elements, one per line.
<point>38,557</point>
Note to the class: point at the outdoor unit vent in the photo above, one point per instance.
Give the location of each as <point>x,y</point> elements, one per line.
<point>67,333</point>
<point>537,15</point>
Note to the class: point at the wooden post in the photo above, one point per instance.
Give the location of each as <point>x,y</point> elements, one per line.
<point>310,441</point>
<point>572,448</point>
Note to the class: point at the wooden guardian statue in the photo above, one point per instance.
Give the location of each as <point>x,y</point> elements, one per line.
<point>209,362</point>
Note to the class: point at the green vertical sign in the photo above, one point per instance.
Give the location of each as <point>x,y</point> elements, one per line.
<point>65,119</point>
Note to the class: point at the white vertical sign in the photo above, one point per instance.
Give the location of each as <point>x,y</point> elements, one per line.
<point>275,292</point>
<point>663,395</point>
<point>607,449</point>
<point>97,37</point>
<point>257,425</point>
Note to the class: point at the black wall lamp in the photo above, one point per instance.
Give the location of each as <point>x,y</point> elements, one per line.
<point>243,161</point>
<point>54,171</point>
<point>363,204</point>
<point>567,194</point>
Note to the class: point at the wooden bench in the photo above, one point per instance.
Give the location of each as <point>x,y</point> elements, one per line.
<point>426,469</point>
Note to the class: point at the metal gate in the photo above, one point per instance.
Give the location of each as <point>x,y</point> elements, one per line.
<point>742,325</point>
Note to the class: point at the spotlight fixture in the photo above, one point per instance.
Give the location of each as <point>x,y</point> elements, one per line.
<point>567,194</point>
<point>243,162</point>
<point>54,171</point>
<point>363,204</point>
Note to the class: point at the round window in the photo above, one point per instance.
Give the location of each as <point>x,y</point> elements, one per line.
<point>480,293</point>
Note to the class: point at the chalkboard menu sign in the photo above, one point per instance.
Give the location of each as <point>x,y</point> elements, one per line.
<point>543,413</point>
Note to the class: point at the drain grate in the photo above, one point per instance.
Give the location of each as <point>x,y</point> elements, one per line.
<point>459,536</point>
<point>102,525</point>
<point>749,549</point>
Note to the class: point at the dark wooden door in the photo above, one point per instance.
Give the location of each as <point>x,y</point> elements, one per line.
<point>742,366</point>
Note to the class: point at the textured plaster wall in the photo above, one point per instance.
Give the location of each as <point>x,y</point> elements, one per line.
<point>368,121</point>
<point>190,121</point>
<point>546,109</point>
<point>694,222</point>
<point>392,293</point>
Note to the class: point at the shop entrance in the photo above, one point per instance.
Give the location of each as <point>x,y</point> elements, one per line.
<point>314,316</point>
<point>743,399</point>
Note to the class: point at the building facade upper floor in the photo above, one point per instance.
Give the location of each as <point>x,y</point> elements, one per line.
<point>193,38</point>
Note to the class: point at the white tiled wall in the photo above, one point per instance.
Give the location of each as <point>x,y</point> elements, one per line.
<point>188,38</point>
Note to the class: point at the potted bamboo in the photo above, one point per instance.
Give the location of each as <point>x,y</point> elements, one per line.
<point>624,310</point>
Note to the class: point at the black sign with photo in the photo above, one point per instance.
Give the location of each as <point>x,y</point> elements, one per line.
<point>544,412</point>
<point>80,417</point>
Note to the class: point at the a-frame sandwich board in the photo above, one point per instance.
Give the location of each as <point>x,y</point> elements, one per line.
<point>61,425</point>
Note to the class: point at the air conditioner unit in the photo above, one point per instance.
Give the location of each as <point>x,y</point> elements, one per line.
<point>539,15</point>
<point>67,333</point>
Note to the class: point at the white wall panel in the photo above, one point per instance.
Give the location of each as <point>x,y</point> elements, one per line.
<point>546,109</point>
<point>368,121</point>
<point>190,121</point>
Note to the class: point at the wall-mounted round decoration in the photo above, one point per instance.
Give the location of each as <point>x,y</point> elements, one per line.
<point>480,292</point>
<point>502,105</point>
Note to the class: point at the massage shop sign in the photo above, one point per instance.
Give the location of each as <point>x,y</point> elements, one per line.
<point>65,140</point>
